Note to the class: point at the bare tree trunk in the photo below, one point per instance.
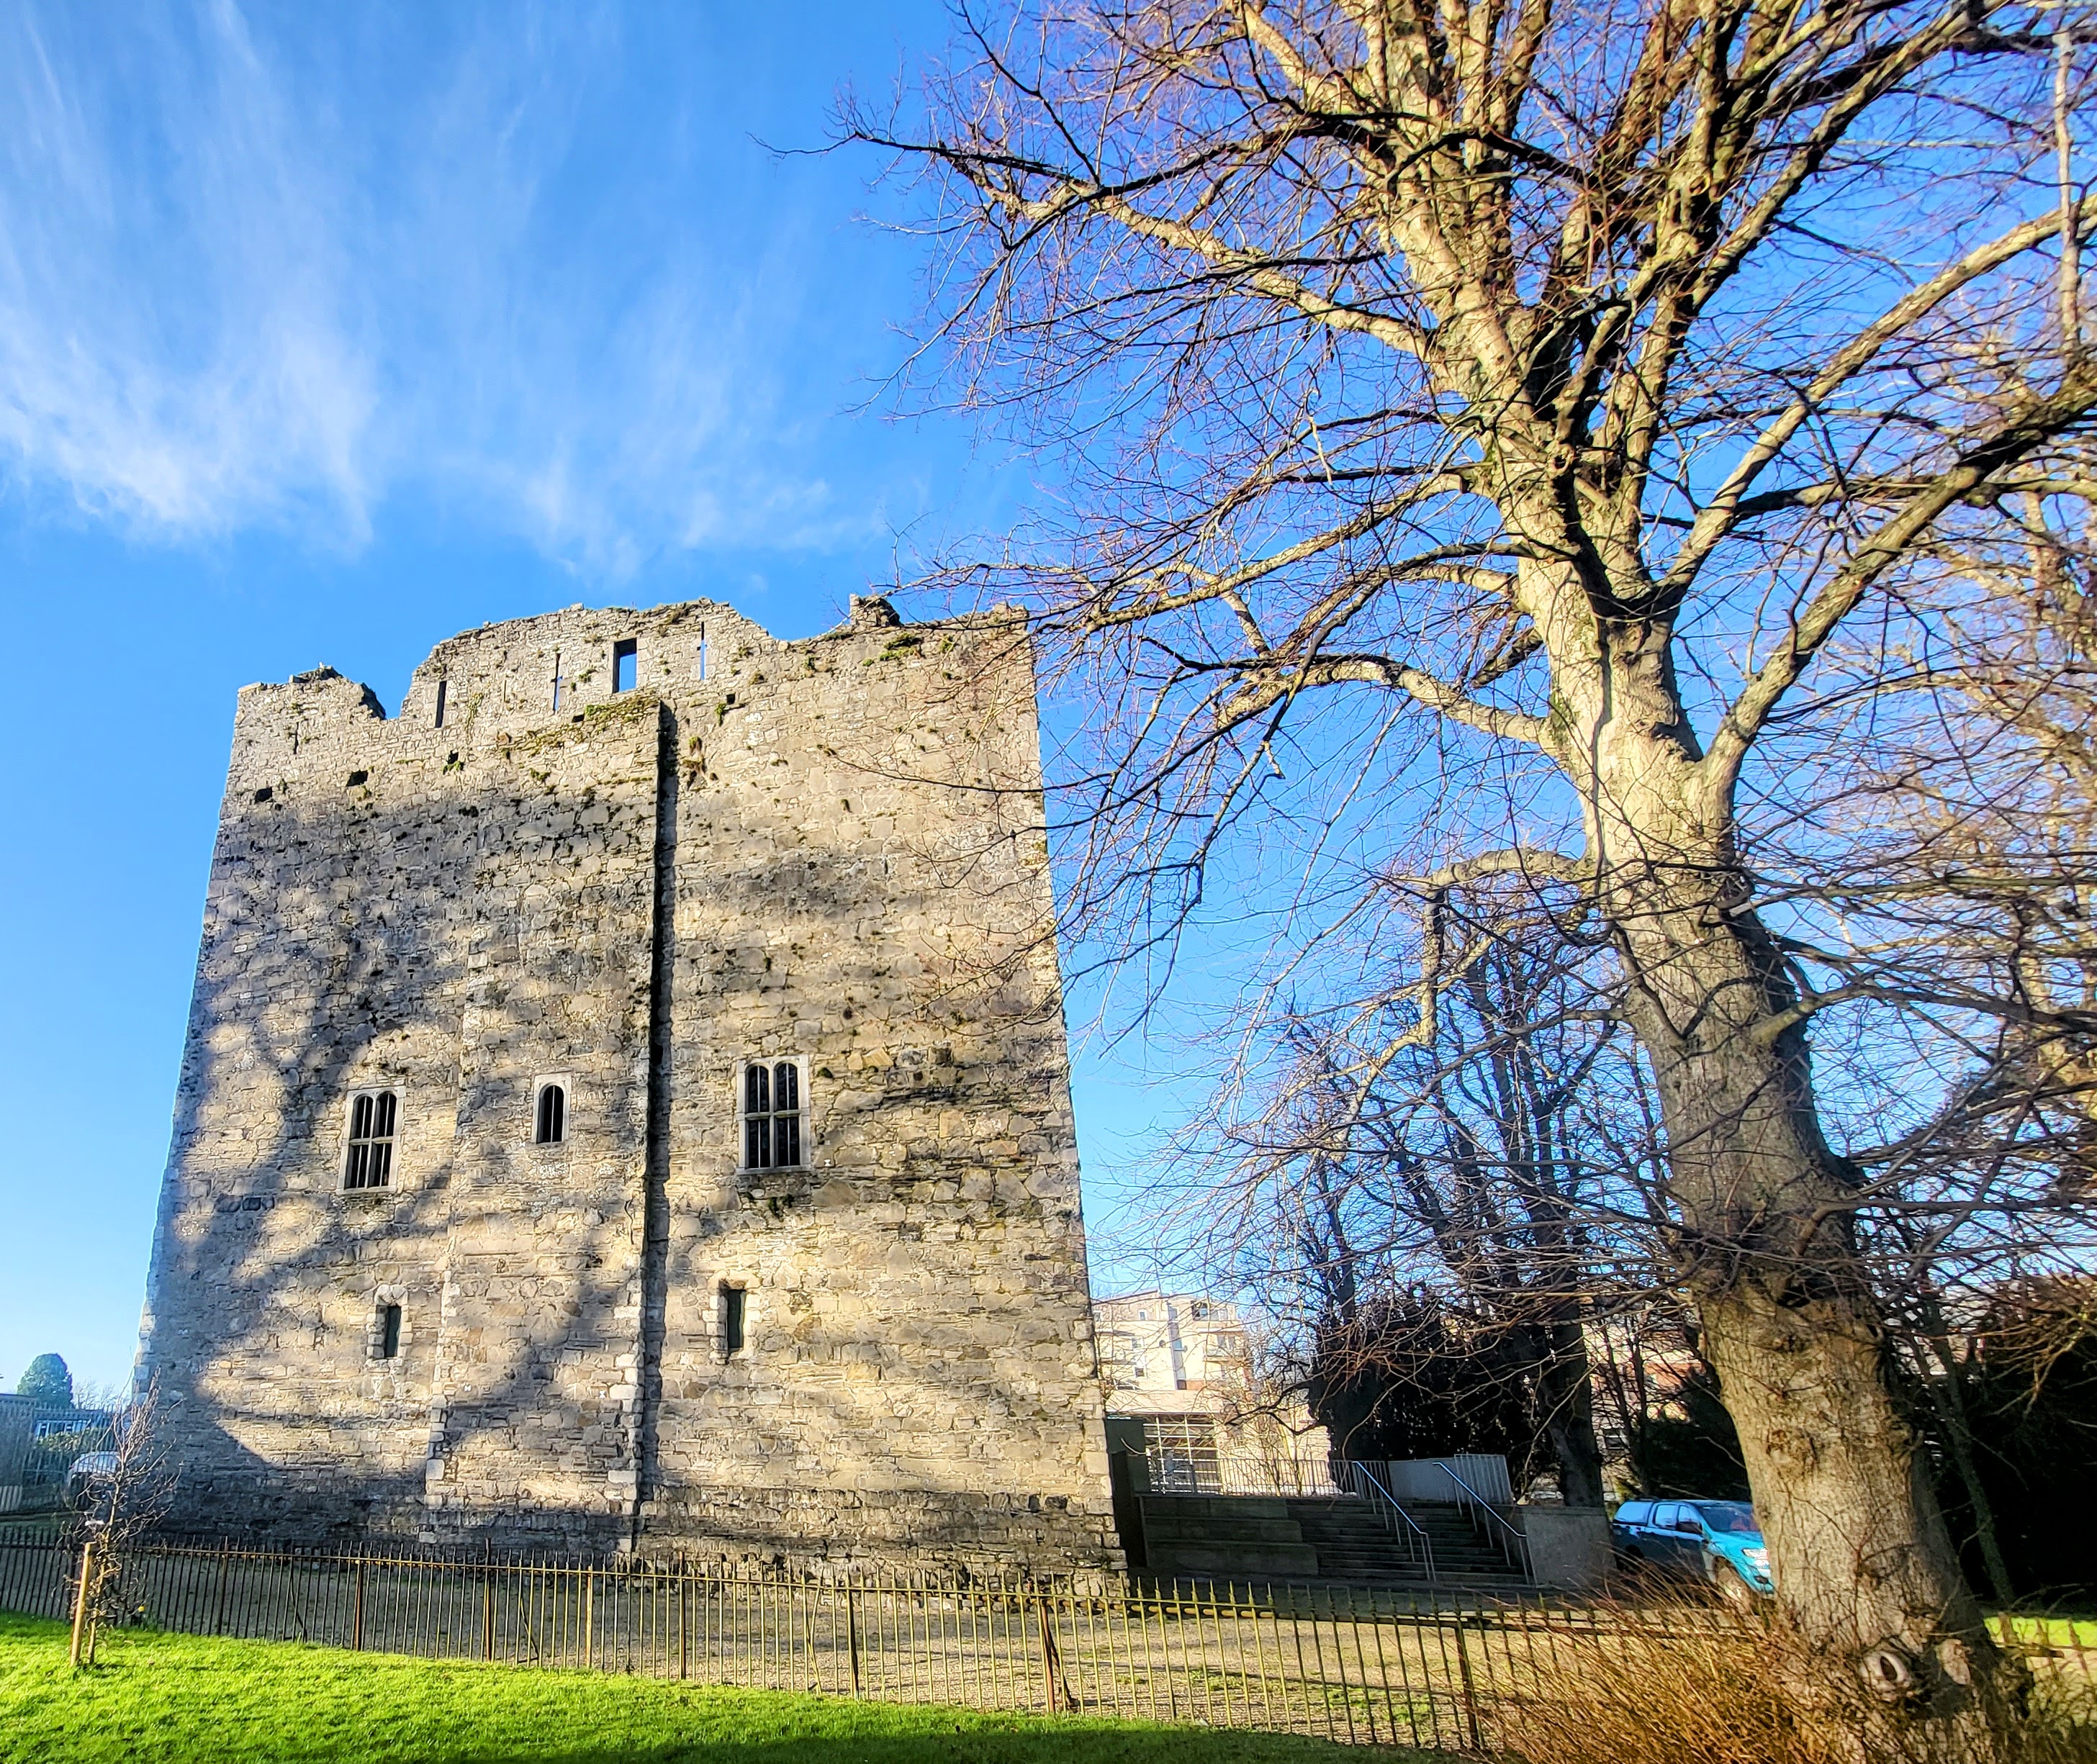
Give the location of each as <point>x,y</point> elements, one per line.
<point>1566,1395</point>
<point>1853,1525</point>
<point>1863,1560</point>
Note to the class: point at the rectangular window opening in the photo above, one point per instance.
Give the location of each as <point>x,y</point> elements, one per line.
<point>772,1115</point>
<point>442,685</point>
<point>733,1300</point>
<point>625,663</point>
<point>372,1114</point>
<point>389,1332</point>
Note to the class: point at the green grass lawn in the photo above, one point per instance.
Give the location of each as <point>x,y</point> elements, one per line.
<point>153,1697</point>
<point>2059,1632</point>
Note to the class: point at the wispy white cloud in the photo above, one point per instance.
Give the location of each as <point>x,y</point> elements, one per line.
<point>173,348</point>
<point>261,275</point>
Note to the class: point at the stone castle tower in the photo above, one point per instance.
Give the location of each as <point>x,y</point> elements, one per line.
<point>626,1105</point>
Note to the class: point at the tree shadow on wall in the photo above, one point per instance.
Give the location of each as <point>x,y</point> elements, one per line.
<point>384,908</point>
<point>356,919</point>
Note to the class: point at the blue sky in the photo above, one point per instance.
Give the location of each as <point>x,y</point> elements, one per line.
<point>327,332</point>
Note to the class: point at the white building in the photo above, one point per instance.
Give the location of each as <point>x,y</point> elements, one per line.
<point>1184,1393</point>
<point>1157,1349</point>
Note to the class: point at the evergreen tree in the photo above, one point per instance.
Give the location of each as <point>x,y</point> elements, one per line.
<point>47,1382</point>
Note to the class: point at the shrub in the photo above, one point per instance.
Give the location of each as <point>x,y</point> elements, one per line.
<point>1706,1690</point>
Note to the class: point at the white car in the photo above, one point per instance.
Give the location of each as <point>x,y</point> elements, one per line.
<point>84,1472</point>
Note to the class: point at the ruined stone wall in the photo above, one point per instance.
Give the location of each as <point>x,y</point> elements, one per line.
<point>830,851</point>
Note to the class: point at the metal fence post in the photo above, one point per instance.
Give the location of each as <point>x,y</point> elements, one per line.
<point>357,1611</point>
<point>1470,1691</point>
<point>852,1626</point>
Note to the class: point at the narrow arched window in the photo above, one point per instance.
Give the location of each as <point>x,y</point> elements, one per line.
<point>735,1309</point>
<point>389,1332</point>
<point>370,1163</point>
<point>552,1127</point>
<point>772,1115</point>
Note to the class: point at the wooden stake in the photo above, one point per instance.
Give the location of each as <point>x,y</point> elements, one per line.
<point>80,1599</point>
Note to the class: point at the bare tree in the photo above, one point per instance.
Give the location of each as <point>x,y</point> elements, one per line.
<point>1986,820</point>
<point>1496,1172</point>
<point>1531,424</point>
<point>125,1499</point>
<point>1654,1389</point>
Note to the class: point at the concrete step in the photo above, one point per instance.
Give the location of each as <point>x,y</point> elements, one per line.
<point>1224,1536</point>
<point>1380,1542</point>
<point>1453,1574</point>
<point>1355,1544</point>
<point>1218,1506</point>
<point>1165,1528</point>
<point>1227,1558</point>
<point>1324,1540</point>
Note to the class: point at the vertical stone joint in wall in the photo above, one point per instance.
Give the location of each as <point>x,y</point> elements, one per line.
<point>655,1263</point>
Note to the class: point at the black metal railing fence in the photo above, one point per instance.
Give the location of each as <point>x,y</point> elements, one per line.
<point>1432,1669</point>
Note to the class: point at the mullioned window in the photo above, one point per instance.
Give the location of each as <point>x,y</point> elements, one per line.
<point>374,1116</point>
<point>772,1115</point>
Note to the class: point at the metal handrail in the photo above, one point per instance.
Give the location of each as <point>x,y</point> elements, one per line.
<point>1177,1470</point>
<point>1513,1541</point>
<point>1413,1535</point>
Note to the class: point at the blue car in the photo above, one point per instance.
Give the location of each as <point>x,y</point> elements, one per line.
<point>1718,1541</point>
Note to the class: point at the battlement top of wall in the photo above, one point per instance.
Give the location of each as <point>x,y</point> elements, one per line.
<point>322,686</point>
<point>519,673</point>
<point>572,632</point>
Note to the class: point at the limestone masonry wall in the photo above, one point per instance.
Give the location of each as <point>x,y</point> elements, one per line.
<point>829,852</point>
